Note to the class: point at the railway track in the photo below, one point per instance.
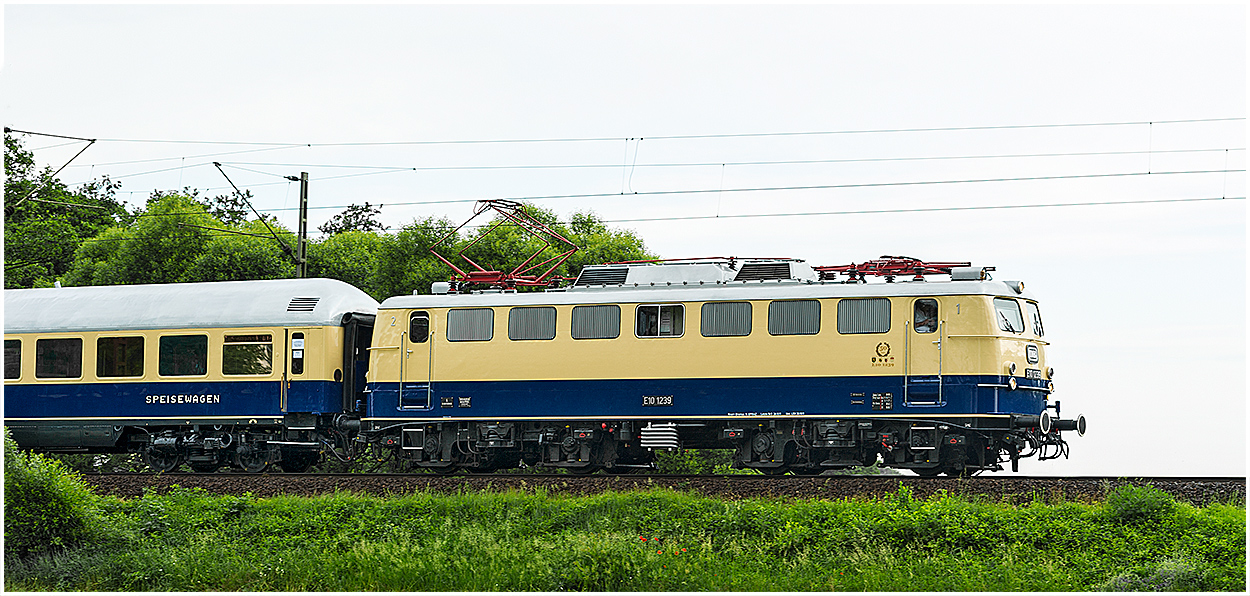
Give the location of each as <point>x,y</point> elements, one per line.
<point>1015,489</point>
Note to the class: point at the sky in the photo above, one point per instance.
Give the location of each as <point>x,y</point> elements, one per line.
<point>907,112</point>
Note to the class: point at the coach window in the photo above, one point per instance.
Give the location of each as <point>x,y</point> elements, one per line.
<point>247,354</point>
<point>1036,318</point>
<point>470,324</point>
<point>531,322</point>
<point>419,327</point>
<point>660,320</point>
<point>12,358</point>
<point>863,315</point>
<point>794,317</point>
<point>925,315</point>
<point>58,358</point>
<point>1008,313</point>
<point>119,357</point>
<point>596,322</point>
<point>183,355</point>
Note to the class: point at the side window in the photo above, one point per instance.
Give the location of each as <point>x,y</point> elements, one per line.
<point>183,355</point>
<point>660,320</point>
<point>58,358</point>
<point>532,322</point>
<point>247,355</point>
<point>12,358</point>
<point>119,357</point>
<point>470,324</point>
<point>725,319</point>
<point>596,322</point>
<point>419,327</point>
<point>925,315</point>
<point>297,353</point>
<point>1036,318</point>
<point>863,315</point>
<point>794,317</point>
<point>1008,313</point>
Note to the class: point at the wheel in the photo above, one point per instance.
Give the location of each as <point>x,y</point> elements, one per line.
<point>205,468</point>
<point>778,471</point>
<point>161,462</point>
<point>298,462</point>
<point>445,470</point>
<point>252,460</point>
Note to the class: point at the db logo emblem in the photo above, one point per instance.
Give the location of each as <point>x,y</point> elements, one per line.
<point>883,349</point>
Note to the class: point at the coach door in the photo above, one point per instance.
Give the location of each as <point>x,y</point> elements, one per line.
<point>294,369</point>
<point>923,375</point>
<point>415,362</point>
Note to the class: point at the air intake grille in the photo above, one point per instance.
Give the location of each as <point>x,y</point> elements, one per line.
<point>302,304</point>
<point>763,271</point>
<point>602,276</point>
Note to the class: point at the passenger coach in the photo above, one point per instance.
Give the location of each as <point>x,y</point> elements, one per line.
<point>793,371</point>
<point>241,373</point>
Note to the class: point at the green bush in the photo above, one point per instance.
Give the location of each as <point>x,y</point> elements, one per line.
<point>47,507</point>
<point>1138,504</point>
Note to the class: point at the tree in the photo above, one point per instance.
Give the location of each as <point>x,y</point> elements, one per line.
<point>354,218</point>
<point>45,221</point>
<point>349,256</point>
<point>231,209</point>
<point>404,261</point>
<point>176,240</point>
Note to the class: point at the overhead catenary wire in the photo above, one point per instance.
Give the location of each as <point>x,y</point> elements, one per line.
<point>794,214</point>
<point>691,136</point>
<point>743,190</point>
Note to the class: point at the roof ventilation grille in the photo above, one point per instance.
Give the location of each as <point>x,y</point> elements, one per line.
<point>302,304</point>
<point>751,271</point>
<point>602,276</point>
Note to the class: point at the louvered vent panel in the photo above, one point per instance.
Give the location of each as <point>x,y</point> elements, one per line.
<point>604,276</point>
<point>752,271</point>
<point>302,304</point>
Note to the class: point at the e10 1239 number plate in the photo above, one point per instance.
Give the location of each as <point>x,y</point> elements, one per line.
<point>657,400</point>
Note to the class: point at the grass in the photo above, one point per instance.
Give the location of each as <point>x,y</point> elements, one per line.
<point>189,540</point>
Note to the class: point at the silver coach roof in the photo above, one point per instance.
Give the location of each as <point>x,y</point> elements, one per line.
<point>755,290</point>
<point>277,302</point>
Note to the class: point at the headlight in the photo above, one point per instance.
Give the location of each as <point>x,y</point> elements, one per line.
<point>1011,383</point>
<point>1011,368</point>
<point>1050,373</point>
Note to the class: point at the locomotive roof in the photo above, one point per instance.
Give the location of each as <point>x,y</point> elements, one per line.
<point>277,302</point>
<point>751,290</point>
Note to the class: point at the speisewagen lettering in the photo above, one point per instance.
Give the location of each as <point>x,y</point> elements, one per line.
<point>184,399</point>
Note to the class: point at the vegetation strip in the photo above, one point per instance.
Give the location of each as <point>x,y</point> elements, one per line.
<point>59,535</point>
<point>999,489</point>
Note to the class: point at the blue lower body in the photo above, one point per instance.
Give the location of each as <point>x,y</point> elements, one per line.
<point>705,398</point>
<point>182,399</point>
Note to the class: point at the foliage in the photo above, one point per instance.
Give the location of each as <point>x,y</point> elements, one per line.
<point>1138,504</point>
<point>231,209</point>
<point>354,218</point>
<point>349,256</point>
<point>46,506</point>
<point>45,221</point>
<point>658,540</point>
<point>176,240</point>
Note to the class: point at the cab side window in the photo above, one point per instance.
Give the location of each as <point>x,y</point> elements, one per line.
<point>926,316</point>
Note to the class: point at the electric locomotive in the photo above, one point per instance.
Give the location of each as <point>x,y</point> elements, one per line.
<point>242,374</point>
<point>795,368</point>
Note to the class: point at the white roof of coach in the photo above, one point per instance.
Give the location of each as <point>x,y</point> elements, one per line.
<point>277,302</point>
<point>752,290</point>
